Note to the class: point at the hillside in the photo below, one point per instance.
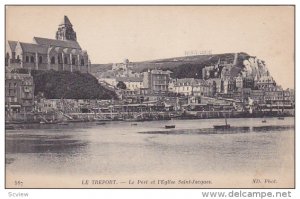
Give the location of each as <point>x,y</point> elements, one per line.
<point>64,84</point>
<point>182,67</point>
<point>191,66</point>
<point>100,67</point>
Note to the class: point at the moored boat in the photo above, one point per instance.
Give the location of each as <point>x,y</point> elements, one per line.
<point>222,126</point>
<point>225,126</point>
<point>169,126</point>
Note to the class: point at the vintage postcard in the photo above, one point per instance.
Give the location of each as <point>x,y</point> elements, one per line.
<point>149,96</point>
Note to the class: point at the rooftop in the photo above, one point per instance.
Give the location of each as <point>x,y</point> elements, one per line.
<point>58,43</point>
<point>33,48</point>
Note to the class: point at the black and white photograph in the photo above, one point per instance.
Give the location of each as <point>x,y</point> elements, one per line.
<point>132,96</point>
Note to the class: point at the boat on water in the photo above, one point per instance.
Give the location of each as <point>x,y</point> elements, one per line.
<point>264,121</point>
<point>169,126</point>
<point>281,118</point>
<point>222,126</point>
<point>134,124</point>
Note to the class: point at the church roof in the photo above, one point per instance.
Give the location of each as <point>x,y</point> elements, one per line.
<point>58,43</point>
<point>65,21</point>
<point>12,45</point>
<point>33,48</point>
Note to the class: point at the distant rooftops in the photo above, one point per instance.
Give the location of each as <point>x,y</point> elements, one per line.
<point>129,79</point>
<point>161,72</point>
<point>190,81</point>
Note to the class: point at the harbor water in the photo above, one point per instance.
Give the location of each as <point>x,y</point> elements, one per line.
<point>67,156</point>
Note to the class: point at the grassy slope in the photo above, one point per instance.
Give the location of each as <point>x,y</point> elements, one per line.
<point>64,84</point>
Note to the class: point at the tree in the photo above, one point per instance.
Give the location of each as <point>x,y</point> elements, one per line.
<point>121,85</point>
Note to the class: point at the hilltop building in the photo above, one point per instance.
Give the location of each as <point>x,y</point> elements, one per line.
<point>62,54</point>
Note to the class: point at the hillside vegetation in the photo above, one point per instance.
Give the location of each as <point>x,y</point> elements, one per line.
<point>69,85</point>
<point>182,67</point>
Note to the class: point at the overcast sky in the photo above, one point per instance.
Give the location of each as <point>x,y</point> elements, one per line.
<point>111,34</point>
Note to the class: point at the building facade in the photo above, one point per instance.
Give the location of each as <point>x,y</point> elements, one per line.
<point>19,92</point>
<point>157,80</point>
<point>192,87</point>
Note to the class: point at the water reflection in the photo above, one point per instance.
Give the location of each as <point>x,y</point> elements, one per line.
<point>42,143</point>
<point>122,149</point>
<point>232,130</point>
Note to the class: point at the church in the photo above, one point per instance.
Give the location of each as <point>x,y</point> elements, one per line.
<point>61,54</point>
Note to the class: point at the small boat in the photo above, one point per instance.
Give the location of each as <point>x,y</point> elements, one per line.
<point>100,123</point>
<point>170,126</point>
<point>264,121</point>
<point>220,127</point>
<point>42,122</point>
<point>281,118</point>
<point>134,124</point>
<point>224,126</point>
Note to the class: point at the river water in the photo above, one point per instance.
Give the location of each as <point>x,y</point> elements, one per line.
<point>140,154</point>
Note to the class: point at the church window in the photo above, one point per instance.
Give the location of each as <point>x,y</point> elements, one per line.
<point>73,60</point>
<point>40,59</point>
<point>27,59</point>
<point>59,59</point>
<point>66,60</point>
<point>82,62</point>
<point>32,59</point>
<point>53,60</point>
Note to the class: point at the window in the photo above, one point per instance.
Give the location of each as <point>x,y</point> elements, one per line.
<point>53,60</point>
<point>40,59</point>
<point>73,60</point>
<point>66,60</point>
<point>27,59</point>
<point>59,59</point>
<point>32,59</point>
<point>82,62</point>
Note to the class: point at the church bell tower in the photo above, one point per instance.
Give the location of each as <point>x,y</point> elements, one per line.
<point>65,30</point>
